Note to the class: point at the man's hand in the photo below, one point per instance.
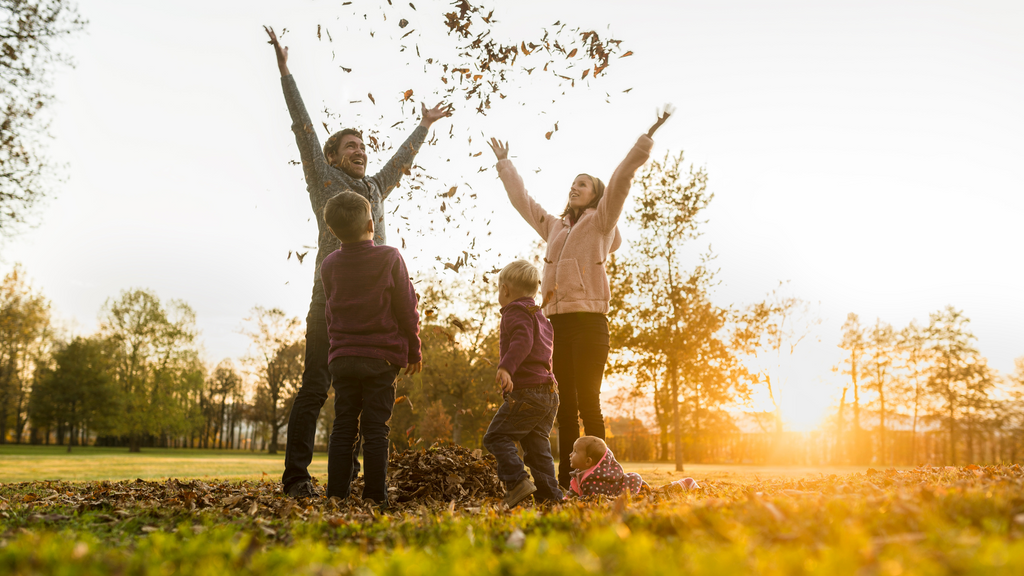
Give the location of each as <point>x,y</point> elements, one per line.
<point>504,380</point>
<point>500,149</point>
<point>282,53</point>
<point>434,114</point>
<point>663,115</point>
<point>413,368</point>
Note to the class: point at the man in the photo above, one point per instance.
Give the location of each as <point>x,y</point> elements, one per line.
<point>340,166</point>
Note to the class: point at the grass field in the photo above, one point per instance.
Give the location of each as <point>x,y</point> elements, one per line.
<point>19,463</point>
<point>743,520</point>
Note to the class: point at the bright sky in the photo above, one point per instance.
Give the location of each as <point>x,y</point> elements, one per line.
<point>867,152</point>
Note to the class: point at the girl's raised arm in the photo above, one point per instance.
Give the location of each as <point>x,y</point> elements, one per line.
<point>610,207</point>
<point>528,208</point>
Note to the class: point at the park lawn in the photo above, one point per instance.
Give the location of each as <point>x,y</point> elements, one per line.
<point>30,463</point>
<point>891,522</point>
<point>23,463</point>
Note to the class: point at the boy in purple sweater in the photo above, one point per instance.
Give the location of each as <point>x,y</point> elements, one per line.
<point>373,328</point>
<point>529,387</point>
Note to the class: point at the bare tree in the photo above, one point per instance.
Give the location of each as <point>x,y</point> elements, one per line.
<point>880,378</point>
<point>276,355</point>
<point>854,342</point>
<point>959,378</point>
<point>913,344</point>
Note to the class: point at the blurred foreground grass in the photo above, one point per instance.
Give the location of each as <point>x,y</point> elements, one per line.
<point>922,521</point>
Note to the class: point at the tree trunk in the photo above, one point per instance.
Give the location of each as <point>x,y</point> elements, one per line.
<point>913,426</point>
<point>677,428</point>
<point>456,428</point>
<point>840,455</point>
<point>275,429</point>
<point>881,425</point>
<point>134,443</point>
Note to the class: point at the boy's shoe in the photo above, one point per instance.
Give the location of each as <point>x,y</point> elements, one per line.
<point>519,492</point>
<point>382,507</point>
<point>302,489</point>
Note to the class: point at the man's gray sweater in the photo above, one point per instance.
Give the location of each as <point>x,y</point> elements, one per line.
<point>324,181</point>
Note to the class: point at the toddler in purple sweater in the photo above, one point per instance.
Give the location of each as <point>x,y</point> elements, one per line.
<point>373,328</point>
<point>529,387</point>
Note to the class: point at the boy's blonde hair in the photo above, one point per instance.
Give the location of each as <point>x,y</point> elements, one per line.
<point>521,277</point>
<point>594,448</point>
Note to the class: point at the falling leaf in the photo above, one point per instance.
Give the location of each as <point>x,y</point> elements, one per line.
<point>301,256</point>
<point>403,23</point>
<point>317,31</point>
<point>571,54</point>
<point>408,94</point>
<point>450,192</point>
<point>371,98</point>
<point>629,53</point>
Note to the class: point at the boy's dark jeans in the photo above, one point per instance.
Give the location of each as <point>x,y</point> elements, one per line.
<point>364,395</point>
<point>578,359</point>
<point>527,416</point>
<point>316,381</point>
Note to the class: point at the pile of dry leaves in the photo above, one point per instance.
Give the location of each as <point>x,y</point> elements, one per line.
<point>443,473</point>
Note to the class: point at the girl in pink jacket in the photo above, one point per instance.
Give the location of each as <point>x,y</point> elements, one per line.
<point>574,285</point>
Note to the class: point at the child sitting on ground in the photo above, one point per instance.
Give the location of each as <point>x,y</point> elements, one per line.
<point>595,471</point>
<point>528,385</point>
<point>373,329</point>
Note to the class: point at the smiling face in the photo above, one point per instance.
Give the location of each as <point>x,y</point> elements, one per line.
<point>582,192</point>
<point>350,156</point>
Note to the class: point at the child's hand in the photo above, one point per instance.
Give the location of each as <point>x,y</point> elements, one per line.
<point>504,380</point>
<point>500,149</point>
<point>413,368</point>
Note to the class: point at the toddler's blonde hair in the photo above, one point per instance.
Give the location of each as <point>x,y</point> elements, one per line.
<point>521,277</point>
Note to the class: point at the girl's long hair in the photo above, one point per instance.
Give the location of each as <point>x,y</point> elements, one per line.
<point>598,193</point>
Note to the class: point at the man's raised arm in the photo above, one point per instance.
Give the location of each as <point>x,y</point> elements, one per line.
<point>388,177</point>
<point>310,153</point>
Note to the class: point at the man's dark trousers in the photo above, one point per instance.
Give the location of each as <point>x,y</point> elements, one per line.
<point>316,382</point>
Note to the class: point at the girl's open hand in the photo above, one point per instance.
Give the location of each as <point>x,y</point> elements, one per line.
<point>663,115</point>
<point>500,149</point>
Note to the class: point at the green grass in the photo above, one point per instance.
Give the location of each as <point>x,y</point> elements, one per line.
<point>28,463</point>
<point>22,463</point>
<point>925,521</point>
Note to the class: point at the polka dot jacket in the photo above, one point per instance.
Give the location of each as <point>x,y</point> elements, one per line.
<point>606,477</point>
